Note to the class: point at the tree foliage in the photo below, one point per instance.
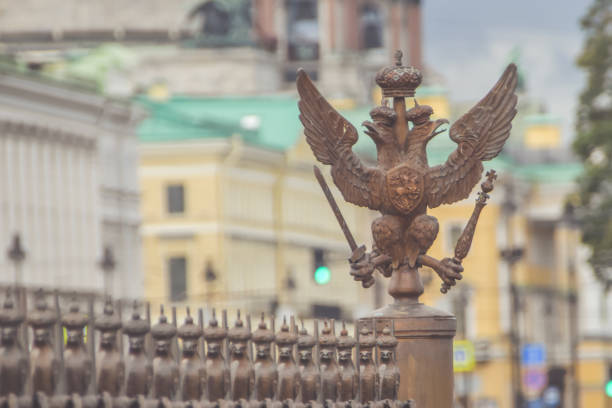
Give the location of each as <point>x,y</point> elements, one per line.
<point>593,142</point>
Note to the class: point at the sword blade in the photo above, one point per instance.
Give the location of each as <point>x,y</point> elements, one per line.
<point>335,209</point>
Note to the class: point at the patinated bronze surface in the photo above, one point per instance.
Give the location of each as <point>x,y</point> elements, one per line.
<point>13,359</point>
<point>266,375</point>
<point>242,375</point>
<point>139,370</point>
<point>330,372</point>
<point>110,369</point>
<point>348,374</point>
<point>368,376</point>
<point>288,371</point>
<point>158,381</point>
<point>217,372</point>
<point>165,369</point>
<point>44,365</point>
<point>388,372</point>
<point>192,382</point>
<point>77,362</point>
<point>403,185</point>
<point>310,379</point>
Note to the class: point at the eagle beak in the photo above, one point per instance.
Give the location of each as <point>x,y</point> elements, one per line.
<point>371,130</point>
<point>437,124</point>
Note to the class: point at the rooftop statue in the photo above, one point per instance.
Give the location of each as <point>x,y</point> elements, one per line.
<point>403,186</point>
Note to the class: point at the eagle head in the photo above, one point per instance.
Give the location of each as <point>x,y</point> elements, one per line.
<point>381,130</point>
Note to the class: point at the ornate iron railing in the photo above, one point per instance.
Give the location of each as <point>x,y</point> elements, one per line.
<point>60,356</point>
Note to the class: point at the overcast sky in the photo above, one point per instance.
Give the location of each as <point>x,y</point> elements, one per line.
<point>469,41</point>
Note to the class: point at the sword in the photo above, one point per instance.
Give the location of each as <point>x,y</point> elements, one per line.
<point>358,252</point>
<point>334,206</point>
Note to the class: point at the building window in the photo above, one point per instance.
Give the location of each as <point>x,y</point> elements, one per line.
<point>175,195</point>
<point>303,30</point>
<point>541,247</point>
<point>371,27</point>
<point>177,274</point>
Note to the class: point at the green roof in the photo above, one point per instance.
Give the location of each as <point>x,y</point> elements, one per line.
<point>542,119</point>
<point>186,118</point>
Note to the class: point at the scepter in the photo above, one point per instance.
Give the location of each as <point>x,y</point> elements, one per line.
<point>465,239</point>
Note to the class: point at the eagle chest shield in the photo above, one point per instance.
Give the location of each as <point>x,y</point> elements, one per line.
<point>405,186</point>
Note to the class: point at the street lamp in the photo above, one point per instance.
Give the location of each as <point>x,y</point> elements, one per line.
<point>511,256</point>
<point>571,222</point>
<point>209,272</point>
<point>17,255</point>
<point>108,265</point>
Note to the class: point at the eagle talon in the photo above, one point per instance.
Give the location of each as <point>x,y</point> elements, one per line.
<point>449,271</point>
<point>364,264</point>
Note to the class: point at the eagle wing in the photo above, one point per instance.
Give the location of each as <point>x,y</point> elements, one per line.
<point>331,138</point>
<point>480,135</point>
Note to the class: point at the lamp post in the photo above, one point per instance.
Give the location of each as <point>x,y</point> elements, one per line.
<point>210,277</point>
<point>107,264</point>
<point>17,255</point>
<point>511,256</point>
<point>571,223</point>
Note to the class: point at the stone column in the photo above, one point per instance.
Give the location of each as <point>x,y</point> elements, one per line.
<point>424,351</point>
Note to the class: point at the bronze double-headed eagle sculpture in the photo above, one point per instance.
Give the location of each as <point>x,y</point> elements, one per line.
<point>402,186</point>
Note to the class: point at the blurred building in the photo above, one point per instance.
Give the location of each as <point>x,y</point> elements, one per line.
<point>174,51</point>
<point>68,184</point>
<point>526,263</point>
<point>212,47</point>
<point>233,216</point>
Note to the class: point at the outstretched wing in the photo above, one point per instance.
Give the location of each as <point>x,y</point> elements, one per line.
<point>331,138</point>
<point>480,134</point>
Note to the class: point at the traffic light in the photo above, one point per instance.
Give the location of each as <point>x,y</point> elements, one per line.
<point>609,382</point>
<point>321,273</point>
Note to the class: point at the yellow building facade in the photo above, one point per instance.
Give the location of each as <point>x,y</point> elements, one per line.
<point>252,220</point>
<point>247,224</point>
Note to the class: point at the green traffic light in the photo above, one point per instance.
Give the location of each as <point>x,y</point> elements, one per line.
<point>609,388</point>
<point>322,275</point>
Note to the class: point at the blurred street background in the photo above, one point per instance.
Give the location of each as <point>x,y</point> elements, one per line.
<point>151,149</point>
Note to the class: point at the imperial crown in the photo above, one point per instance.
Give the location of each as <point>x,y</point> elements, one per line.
<point>305,340</point>
<point>75,320</point>
<point>263,334</point>
<point>285,337</point>
<point>163,330</point>
<point>239,333</point>
<point>109,321</point>
<point>398,81</point>
<point>136,326</point>
<point>9,316</point>
<point>189,330</point>
<point>213,332</point>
